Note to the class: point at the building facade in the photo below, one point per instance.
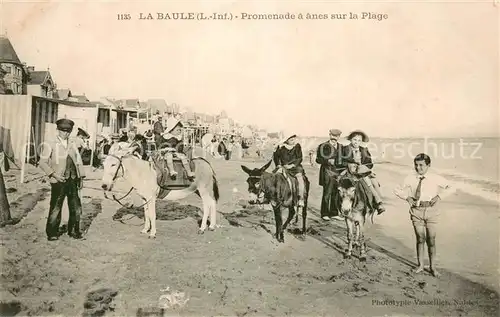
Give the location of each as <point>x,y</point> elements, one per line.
<point>15,75</point>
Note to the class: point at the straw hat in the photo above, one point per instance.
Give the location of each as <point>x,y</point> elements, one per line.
<point>171,124</point>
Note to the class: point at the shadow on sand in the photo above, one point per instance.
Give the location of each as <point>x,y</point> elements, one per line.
<point>165,210</point>
<point>333,235</point>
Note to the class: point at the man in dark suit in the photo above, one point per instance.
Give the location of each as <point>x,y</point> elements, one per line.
<point>158,130</point>
<point>62,163</point>
<point>328,155</point>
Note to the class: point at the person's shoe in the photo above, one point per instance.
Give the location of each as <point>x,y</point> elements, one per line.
<point>190,175</point>
<point>77,236</point>
<point>337,218</point>
<point>380,209</point>
<point>300,203</point>
<point>173,175</point>
<point>53,238</point>
<point>325,218</point>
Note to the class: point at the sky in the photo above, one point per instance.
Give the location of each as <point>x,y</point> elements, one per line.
<point>429,69</point>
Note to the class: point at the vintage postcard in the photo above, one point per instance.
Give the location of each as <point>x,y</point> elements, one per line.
<point>249,158</point>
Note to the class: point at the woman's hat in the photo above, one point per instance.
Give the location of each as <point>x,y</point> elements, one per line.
<point>171,124</point>
<point>364,136</point>
<point>83,133</point>
<point>288,138</point>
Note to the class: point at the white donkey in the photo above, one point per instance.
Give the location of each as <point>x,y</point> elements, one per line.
<point>142,176</point>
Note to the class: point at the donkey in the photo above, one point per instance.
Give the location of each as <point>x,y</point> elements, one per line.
<point>354,202</point>
<point>278,190</point>
<point>142,176</point>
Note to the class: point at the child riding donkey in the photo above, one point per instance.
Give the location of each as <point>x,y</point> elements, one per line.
<point>288,158</point>
<point>360,155</point>
<point>173,144</point>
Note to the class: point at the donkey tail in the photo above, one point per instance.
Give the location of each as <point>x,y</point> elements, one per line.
<point>216,188</point>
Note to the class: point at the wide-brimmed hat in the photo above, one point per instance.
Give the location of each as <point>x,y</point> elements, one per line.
<point>171,124</point>
<point>82,133</point>
<point>283,141</point>
<point>364,136</point>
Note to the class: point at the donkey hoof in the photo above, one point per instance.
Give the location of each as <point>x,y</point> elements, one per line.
<point>201,231</point>
<point>152,236</point>
<point>211,228</point>
<point>144,231</point>
<point>347,256</point>
<point>362,258</point>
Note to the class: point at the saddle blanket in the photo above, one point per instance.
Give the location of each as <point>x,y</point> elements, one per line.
<point>167,183</point>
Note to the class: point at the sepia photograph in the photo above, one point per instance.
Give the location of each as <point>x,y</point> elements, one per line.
<point>249,158</point>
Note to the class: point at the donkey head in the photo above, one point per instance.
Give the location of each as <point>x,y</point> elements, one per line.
<point>113,163</point>
<point>347,193</point>
<point>254,183</point>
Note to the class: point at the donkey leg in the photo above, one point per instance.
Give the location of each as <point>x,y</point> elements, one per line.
<point>204,199</point>
<point>279,221</point>
<point>350,227</point>
<point>212,207</point>
<point>147,224</point>
<point>304,219</point>
<point>152,217</point>
<point>362,255</point>
<point>291,213</point>
<point>356,233</point>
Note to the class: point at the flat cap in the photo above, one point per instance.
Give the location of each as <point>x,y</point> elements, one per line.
<point>335,132</point>
<point>65,125</point>
<point>115,136</point>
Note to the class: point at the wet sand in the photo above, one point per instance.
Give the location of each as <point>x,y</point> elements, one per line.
<point>239,269</point>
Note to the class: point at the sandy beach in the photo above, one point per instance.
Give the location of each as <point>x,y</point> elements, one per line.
<point>239,270</point>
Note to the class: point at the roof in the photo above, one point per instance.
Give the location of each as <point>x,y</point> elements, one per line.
<point>63,93</point>
<point>7,52</point>
<point>81,98</point>
<point>68,102</point>
<point>38,77</point>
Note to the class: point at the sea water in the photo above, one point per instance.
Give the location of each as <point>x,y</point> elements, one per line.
<point>470,164</point>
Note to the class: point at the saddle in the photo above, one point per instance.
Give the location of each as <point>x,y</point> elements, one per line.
<point>292,185</point>
<point>163,179</point>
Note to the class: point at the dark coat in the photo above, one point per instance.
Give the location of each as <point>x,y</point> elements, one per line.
<point>347,153</point>
<point>172,142</point>
<point>222,149</point>
<point>325,152</point>
<point>283,156</point>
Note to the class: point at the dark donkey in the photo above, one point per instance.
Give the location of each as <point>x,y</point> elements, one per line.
<point>276,189</point>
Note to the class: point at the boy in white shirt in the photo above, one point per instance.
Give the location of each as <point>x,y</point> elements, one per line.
<point>422,190</point>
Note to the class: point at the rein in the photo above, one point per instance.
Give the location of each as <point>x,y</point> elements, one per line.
<point>118,200</point>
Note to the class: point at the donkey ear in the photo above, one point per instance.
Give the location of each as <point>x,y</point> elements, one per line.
<point>246,169</point>
<point>265,167</point>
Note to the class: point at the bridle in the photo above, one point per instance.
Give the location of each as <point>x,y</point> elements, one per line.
<point>260,191</point>
<point>118,200</point>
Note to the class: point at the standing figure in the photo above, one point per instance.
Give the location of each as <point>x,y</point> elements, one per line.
<point>288,159</point>
<point>60,160</point>
<point>362,157</point>
<point>158,131</point>
<point>328,155</point>
<point>422,190</point>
